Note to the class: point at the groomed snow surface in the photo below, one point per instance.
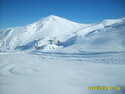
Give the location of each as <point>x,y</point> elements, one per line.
<point>58,56</point>
<point>61,73</point>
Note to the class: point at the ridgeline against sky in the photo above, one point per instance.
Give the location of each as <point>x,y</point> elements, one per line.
<point>21,12</point>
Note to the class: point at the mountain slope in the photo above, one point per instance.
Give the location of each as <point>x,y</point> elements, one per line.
<point>53,32</point>
<point>104,36</point>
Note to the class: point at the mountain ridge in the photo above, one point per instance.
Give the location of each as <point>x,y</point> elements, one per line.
<point>57,29</point>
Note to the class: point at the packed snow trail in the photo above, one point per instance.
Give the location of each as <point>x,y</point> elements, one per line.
<point>61,73</point>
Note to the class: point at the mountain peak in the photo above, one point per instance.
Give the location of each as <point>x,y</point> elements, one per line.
<point>49,18</point>
<point>53,17</point>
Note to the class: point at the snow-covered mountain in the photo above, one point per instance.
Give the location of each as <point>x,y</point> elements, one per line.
<point>56,56</point>
<point>59,34</point>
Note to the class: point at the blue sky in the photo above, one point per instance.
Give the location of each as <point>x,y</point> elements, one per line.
<point>21,12</point>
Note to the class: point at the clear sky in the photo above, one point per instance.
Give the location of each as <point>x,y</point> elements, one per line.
<point>21,12</point>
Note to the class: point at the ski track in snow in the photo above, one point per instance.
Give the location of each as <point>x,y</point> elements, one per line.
<point>93,57</point>
<point>61,73</point>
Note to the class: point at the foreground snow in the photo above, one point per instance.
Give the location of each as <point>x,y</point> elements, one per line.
<point>61,73</point>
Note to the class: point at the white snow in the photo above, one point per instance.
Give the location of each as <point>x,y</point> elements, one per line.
<point>58,56</point>
<point>89,36</point>
<point>51,27</point>
<point>61,73</point>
